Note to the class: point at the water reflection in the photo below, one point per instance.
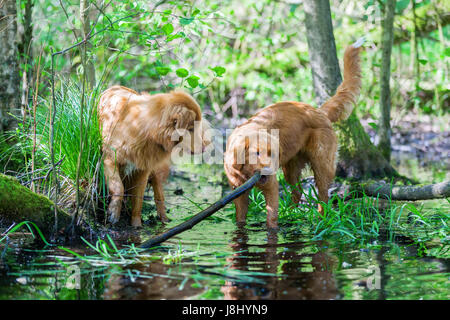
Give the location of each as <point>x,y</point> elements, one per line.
<point>149,281</point>
<point>296,273</point>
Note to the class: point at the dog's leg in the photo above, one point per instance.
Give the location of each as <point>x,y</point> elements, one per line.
<point>271,194</point>
<point>292,172</point>
<point>322,163</point>
<point>139,182</point>
<point>115,186</point>
<point>241,204</point>
<point>157,180</point>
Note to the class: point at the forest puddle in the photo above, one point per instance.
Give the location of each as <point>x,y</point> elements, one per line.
<point>217,260</point>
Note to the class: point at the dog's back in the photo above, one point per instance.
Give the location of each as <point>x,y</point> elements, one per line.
<point>305,136</point>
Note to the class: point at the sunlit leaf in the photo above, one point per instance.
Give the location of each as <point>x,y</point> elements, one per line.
<point>167,28</point>
<point>163,70</point>
<point>219,71</point>
<point>186,21</point>
<point>193,81</point>
<point>182,72</point>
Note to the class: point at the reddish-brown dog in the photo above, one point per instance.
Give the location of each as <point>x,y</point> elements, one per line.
<point>138,137</point>
<point>305,135</point>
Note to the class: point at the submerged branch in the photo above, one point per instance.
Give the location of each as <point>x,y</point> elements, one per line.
<point>203,214</point>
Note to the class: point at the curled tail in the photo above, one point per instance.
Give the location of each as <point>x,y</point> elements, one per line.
<point>340,106</point>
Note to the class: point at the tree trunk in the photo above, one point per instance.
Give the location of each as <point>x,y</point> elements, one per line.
<point>358,157</point>
<point>387,35</point>
<point>415,49</point>
<point>9,66</point>
<point>85,54</point>
<point>26,53</point>
<point>322,49</point>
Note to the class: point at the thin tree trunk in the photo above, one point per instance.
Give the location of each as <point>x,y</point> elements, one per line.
<point>9,66</point>
<point>385,102</point>
<point>415,49</point>
<point>358,157</point>
<point>85,29</point>
<point>26,54</point>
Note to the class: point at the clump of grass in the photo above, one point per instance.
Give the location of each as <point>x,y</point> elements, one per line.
<point>359,220</point>
<point>66,141</point>
<point>73,125</point>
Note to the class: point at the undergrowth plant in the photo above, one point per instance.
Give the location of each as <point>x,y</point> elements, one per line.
<point>33,147</point>
<point>357,219</point>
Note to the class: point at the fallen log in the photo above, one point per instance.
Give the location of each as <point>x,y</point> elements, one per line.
<point>203,214</point>
<point>405,193</point>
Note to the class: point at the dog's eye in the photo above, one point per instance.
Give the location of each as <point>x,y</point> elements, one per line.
<point>175,121</point>
<point>257,153</point>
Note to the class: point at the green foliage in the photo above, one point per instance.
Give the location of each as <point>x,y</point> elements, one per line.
<point>358,220</point>
<point>67,135</point>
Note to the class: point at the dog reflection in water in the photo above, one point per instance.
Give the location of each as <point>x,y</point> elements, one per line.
<point>291,282</point>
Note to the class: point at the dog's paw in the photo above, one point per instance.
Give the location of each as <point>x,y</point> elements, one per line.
<point>163,218</point>
<point>136,222</point>
<point>358,43</point>
<point>113,217</point>
<point>114,212</point>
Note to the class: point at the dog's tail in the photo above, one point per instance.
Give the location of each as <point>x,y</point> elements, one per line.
<point>340,106</point>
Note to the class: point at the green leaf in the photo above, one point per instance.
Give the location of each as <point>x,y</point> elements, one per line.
<point>447,52</point>
<point>167,28</point>
<point>193,81</point>
<point>186,21</point>
<point>423,61</point>
<point>293,7</point>
<point>373,125</point>
<point>163,70</point>
<point>174,36</point>
<point>401,5</point>
<point>182,72</point>
<point>219,71</point>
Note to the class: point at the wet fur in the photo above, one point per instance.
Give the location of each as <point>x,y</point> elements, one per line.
<point>136,132</point>
<point>305,136</point>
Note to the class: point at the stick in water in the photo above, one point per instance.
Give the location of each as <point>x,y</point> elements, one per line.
<point>203,214</point>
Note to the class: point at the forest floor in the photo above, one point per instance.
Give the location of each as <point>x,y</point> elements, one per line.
<point>425,137</point>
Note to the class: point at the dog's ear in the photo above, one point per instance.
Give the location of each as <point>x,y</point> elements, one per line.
<point>239,158</point>
<point>240,153</point>
<point>182,118</point>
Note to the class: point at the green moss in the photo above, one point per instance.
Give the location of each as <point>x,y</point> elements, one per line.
<point>18,203</point>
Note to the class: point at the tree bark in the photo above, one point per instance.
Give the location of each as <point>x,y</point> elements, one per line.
<point>9,66</point>
<point>85,54</point>
<point>387,35</point>
<point>358,157</point>
<point>26,53</point>
<point>406,193</point>
<point>415,49</point>
<point>322,49</point>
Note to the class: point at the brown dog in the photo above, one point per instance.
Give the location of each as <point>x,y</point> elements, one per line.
<point>305,135</point>
<point>138,133</point>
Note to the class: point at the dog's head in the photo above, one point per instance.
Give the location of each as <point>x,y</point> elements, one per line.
<point>195,138</point>
<point>181,122</point>
<point>255,151</point>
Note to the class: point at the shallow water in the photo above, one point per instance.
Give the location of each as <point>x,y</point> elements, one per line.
<point>217,260</point>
